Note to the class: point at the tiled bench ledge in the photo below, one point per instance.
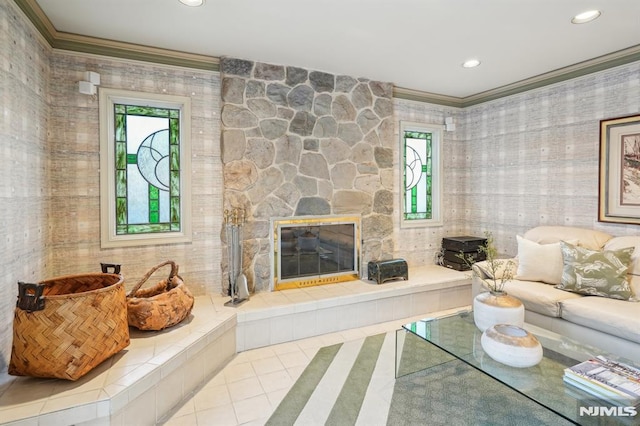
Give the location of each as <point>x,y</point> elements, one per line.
<point>159,369</point>
<point>136,386</point>
<point>276,317</point>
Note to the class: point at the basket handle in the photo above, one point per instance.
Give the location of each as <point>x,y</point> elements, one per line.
<point>105,268</point>
<point>174,272</point>
<point>30,297</point>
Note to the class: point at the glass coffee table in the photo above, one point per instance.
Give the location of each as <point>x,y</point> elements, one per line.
<point>458,339</point>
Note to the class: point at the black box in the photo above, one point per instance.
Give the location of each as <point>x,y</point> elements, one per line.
<point>465,243</point>
<point>452,247</point>
<point>385,270</point>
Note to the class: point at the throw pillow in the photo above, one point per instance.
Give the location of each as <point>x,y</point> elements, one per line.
<point>596,273</point>
<point>588,238</point>
<point>539,262</point>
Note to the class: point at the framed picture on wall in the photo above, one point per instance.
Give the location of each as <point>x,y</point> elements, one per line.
<point>619,191</point>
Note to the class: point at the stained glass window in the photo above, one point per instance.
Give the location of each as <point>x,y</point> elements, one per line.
<point>421,175</point>
<point>145,151</point>
<point>418,178</point>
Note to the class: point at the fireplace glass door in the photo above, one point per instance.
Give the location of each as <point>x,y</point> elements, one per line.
<point>313,251</point>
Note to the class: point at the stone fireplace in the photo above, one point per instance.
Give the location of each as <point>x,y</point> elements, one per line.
<point>299,142</point>
<point>314,250</point>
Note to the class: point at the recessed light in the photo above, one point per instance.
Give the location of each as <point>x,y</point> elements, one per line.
<point>584,17</point>
<point>192,3</point>
<point>471,63</point>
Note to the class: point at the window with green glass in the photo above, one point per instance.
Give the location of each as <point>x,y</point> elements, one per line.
<point>420,155</point>
<point>147,192</point>
<point>147,151</point>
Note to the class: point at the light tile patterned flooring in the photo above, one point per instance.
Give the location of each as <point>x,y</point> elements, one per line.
<point>250,387</point>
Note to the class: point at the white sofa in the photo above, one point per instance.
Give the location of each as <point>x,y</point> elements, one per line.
<point>610,324</point>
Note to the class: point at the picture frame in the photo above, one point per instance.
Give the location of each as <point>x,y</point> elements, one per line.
<point>619,181</point>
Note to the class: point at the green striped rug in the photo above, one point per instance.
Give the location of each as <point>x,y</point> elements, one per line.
<point>347,405</point>
<point>292,404</point>
<point>353,383</point>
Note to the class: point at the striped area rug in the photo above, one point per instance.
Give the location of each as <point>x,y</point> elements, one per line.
<point>345,384</point>
<point>353,383</point>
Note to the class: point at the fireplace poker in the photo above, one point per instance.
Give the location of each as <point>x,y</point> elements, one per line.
<point>234,219</point>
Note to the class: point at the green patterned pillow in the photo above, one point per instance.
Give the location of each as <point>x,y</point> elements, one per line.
<point>596,273</point>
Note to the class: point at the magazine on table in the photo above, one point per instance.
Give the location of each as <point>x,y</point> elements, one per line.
<point>597,392</point>
<point>607,379</point>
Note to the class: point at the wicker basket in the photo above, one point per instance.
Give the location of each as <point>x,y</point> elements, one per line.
<point>164,305</point>
<point>66,326</point>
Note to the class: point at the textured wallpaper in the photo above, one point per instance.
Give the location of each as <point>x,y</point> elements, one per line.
<point>532,159</point>
<point>24,175</point>
<point>418,246</point>
<point>49,183</point>
<point>522,161</point>
<point>75,177</point>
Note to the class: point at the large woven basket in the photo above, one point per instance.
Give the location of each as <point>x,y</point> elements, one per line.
<point>66,326</point>
<point>164,305</point>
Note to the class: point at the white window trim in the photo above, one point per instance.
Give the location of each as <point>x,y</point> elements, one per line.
<point>436,151</point>
<point>108,237</point>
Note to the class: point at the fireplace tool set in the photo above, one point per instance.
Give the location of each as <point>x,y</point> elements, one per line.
<point>238,290</point>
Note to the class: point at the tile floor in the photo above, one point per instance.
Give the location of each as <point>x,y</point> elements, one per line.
<point>250,387</point>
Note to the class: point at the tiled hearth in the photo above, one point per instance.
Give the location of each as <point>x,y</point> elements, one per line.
<point>160,369</point>
<point>276,317</point>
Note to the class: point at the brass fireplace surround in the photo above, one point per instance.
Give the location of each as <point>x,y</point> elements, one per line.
<point>314,250</point>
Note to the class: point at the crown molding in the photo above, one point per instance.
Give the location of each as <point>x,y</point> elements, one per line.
<point>93,45</point>
<point>621,57</point>
<point>98,46</point>
<point>432,98</point>
<point>601,63</point>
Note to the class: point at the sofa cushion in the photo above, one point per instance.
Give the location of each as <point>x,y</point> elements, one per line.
<point>539,297</point>
<point>596,273</point>
<point>539,262</point>
<point>588,238</point>
<point>616,317</point>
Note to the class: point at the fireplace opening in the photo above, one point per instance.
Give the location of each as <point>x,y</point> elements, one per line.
<point>310,251</point>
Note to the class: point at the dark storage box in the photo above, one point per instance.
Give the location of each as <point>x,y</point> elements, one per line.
<point>385,270</point>
<point>465,243</point>
<point>452,247</point>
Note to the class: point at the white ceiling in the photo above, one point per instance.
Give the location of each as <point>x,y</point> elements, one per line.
<point>415,44</point>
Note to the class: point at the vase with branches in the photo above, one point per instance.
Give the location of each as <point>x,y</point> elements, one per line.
<point>496,272</point>
<point>494,306</point>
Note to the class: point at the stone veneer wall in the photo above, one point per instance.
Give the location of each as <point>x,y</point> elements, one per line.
<point>303,142</point>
